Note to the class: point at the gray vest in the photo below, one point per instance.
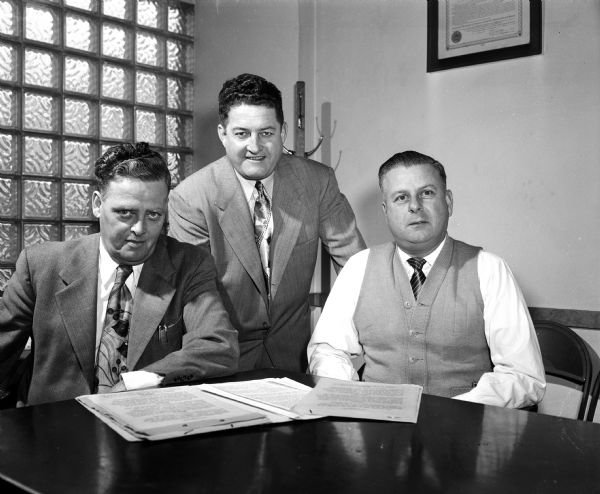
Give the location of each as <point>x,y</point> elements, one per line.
<point>437,341</point>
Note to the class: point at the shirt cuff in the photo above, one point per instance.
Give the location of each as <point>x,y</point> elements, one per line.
<point>141,379</point>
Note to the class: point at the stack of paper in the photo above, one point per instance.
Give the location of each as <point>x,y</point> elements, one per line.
<point>154,414</point>
<point>163,413</point>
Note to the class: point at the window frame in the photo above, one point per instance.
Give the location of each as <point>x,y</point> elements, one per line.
<point>171,149</point>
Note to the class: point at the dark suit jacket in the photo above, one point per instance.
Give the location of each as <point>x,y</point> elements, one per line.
<point>52,298</point>
<point>209,207</point>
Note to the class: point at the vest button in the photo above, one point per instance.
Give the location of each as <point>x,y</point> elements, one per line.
<point>407,305</point>
<point>412,333</point>
<point>412,360</point>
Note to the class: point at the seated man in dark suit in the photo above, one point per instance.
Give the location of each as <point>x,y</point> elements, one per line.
<point>427,309</point>
<point>126,308</point>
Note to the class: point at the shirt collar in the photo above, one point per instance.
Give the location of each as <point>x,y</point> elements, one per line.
<point>429,258</point>
<point>107,267</point>
<point>248,185</point>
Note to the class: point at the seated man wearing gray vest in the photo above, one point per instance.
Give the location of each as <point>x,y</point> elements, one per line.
<point>427,309</point>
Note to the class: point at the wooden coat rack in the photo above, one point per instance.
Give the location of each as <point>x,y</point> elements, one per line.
<point>316,299</point>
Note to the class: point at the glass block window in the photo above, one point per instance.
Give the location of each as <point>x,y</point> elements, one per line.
<point>78,76</point>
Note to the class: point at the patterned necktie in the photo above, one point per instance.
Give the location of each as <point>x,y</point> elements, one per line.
<point>112,352</point>
<point>263,228</point>
<point>418,276</point>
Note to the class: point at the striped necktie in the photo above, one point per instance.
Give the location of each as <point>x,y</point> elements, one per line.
<point>263,228</point>
<point>418,276</point>
<point>112,352</point>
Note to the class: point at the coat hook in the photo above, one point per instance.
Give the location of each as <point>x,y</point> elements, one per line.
<point>330,136</point>
<point>338,161</point>
<point>310,153</point>
<point>319,128</point>
<point>306,153</point>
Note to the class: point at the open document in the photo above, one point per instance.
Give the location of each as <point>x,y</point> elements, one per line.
<point>363,400</point>
<point>163,413</point>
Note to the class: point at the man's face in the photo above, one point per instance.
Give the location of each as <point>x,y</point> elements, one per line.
<point>253,140</point>
<point>131,213</point>
<point>417,206</point>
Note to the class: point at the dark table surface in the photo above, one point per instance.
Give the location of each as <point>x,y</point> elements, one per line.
<point>455,447</point>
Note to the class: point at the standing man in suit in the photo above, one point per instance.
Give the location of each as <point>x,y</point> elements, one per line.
<point>427,309</point>
<point>123,309</point>
<point>263,213</point>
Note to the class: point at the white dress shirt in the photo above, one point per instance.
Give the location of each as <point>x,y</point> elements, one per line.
<point>518,373</point>
<point>107,271</point>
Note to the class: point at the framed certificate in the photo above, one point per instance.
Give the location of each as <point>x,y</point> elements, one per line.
<point>468,32</point>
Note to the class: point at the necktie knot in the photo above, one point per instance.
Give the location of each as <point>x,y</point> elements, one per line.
<point>123,272</point>
<point>262,201</point>
<point>417,263</point>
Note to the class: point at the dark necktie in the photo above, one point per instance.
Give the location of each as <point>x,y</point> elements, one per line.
<point>263,228</point>
<point>418,277</point>
<point>112,352</point>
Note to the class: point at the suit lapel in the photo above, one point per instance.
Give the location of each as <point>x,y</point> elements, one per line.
<point>152,298</point>
<point>289,208</point>
<point>77,302</point>
<point>236,223</point>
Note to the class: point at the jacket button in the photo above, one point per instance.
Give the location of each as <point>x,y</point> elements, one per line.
<point>408,305</point>
<point>265,325</point>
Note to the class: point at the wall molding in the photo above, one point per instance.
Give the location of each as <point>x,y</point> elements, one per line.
<point>584,319</point>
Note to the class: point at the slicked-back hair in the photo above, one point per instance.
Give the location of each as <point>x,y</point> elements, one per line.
<point>408,159</point>
<point>249,89</point>
<point>134,160</point>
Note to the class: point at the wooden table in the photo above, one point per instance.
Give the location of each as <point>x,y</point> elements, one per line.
<point>455,447</point>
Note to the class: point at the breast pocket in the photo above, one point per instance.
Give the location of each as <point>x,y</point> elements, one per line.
<point>170,333</point>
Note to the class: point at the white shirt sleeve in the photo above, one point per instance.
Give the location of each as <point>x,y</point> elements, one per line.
<point>518,377</point>
<point>335,342</point>
<point>141,379</point>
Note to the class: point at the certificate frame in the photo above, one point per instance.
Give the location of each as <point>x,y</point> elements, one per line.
<point>483,51</point>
